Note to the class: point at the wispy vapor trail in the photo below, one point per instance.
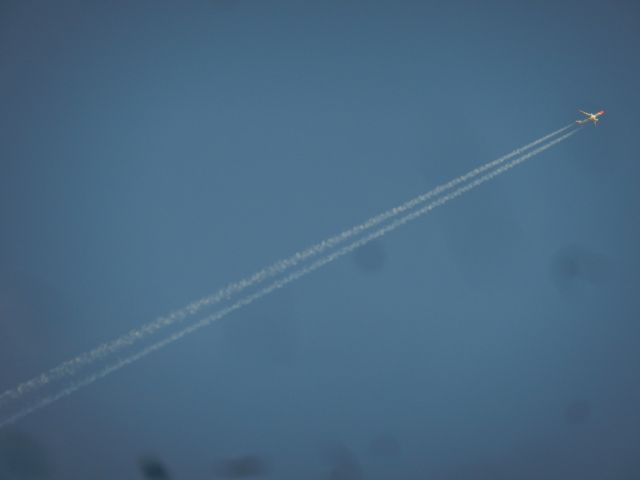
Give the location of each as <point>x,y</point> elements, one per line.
<point>282,282</point>
<point>72,366</point>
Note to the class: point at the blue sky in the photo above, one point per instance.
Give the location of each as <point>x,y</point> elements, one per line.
<point>152,152</point>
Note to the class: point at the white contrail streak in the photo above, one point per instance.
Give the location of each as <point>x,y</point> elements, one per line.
<point>71,367</point>
<point>280,283</point>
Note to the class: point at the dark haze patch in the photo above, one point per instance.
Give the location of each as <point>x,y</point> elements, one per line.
<point>370,258</point>
<point>153,469</point>
<point>344,464</point>
<point>574,265</point>
<point>22,458</point>
<point>242,467</point>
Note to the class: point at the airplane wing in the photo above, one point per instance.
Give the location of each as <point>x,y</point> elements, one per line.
<point>584,113</point>
<point>581,122</point>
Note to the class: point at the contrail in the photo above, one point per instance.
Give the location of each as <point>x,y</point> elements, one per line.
<point>280,283</point>
<point>71,367</point>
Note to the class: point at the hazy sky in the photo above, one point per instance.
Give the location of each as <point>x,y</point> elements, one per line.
<point>152,152</point>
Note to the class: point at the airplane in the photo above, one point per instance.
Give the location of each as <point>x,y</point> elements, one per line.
<point>591,117</point>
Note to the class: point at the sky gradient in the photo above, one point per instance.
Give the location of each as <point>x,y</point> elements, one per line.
<point>152,152</point>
